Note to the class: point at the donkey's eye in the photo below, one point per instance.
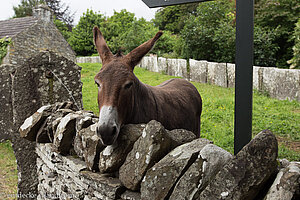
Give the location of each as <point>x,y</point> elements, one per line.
<point>128,85</point>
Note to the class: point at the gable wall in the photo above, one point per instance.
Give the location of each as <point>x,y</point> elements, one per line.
<point>40,37</point>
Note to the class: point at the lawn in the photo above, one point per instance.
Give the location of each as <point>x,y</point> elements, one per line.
<point>8,172</point>
<point>281,117</point>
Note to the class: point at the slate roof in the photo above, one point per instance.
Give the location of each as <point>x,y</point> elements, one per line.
<point>11,27</point>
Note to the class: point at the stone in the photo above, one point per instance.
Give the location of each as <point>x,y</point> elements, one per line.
<point>78,146</point>
<point>42,134</point>
<point>85,120</point>
<point>129,195</point>
<point>280,83</point>
<point>47,78</point>
<point>57,111</point>
<point>64,105</point>
<point>162,65</point>
<point>244,175</point>
<point>91,147</point>
<point>177,67</point>
<point>106,187</point>
<point>283,163</point>
<point>153,66</point>
<point>54,119</point>
<point>6,115</point>
<point>216,74</point>
<point>94,59</point>
<point>147,150</point>
<point>180,136</point>
<point>198,70</point>
<point>143,63</point>
<point>31,88</point>
<point>65,133</point>
<point>210,160</point>
<point>112,157</point>
<point>146,63</point>
<point>230,75</point>
<point>161,178</point>
<point>257,78</point>
<point>172,67</point>
<point>287,183</point>
<point>29,129</point>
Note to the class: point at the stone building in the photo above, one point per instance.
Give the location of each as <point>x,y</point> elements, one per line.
<point>30,35</point>
<point>39,69</point>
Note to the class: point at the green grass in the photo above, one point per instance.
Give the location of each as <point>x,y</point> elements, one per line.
<point>281,117</point>
<point>8,172</point>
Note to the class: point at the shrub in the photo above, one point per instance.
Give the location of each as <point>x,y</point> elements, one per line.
<point>81,38</point>
<point>295,61</point>
<point>4,42</point>
<point>265,47</point>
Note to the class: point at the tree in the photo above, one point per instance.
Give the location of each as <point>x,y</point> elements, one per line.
<point>280,16</point>
<point>24,9</point>
<point>295,61</point>
<point>61,11</point>
<point>141,31</point>
<point>63,28</point>
<point>198,35</point>
<point>116,27</point>
<point>173,18</point>
<point>4,42</point>
<point>81,39</point>
<point>211,36</point>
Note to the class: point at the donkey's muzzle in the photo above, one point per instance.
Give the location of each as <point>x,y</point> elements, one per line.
<point>108,134</point>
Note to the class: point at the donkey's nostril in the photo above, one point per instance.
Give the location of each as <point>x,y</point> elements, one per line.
<point>114,131</point>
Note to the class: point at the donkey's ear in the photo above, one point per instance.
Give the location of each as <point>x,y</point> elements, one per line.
<point>136,55</point>
<point>101,46</point>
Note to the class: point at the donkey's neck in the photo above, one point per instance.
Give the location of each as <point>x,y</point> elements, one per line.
<point>145,104</point>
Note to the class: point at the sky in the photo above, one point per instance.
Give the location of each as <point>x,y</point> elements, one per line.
<point>105,7</point>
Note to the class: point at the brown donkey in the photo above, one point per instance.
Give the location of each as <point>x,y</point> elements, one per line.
<point>123,99</point>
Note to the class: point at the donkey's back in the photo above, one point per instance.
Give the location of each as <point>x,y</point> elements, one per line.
<point>179,105</point>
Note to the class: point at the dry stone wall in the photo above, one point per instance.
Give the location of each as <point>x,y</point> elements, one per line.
<point>42,79</point>
<point>92,59</point>
<point>150,162</point>
<point>278,83</point>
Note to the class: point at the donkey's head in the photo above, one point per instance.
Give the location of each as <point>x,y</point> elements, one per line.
<point>116,86</point>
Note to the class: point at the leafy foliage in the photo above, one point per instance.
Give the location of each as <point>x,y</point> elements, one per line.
<point>265,47</point>
<point>173,18</point>
<point>116,27</point>
<point>61,11</point>
<point>81,39</point>
<point>279,16</point>
<point>24,9</point>
<point>295,61</point>
<point>200,35</point>
<point>63,28</point>
<point>122,31</point>
<point>4,42</point>
<point>211,36</point>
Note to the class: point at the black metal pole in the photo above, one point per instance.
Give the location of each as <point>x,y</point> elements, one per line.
<point>243,73</point>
